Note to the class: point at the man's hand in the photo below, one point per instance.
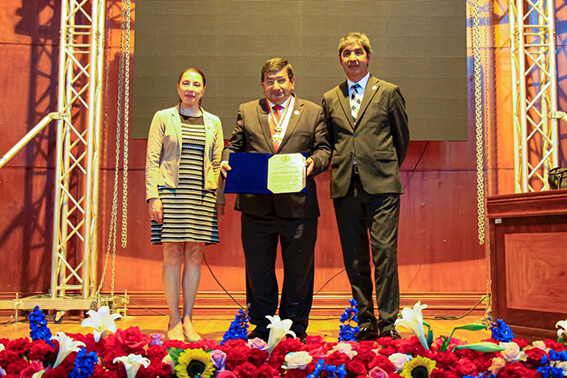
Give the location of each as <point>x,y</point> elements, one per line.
<point>310,164</point>
<point>224,168</point>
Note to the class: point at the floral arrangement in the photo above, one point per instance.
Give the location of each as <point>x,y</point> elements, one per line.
<point>112,352</point>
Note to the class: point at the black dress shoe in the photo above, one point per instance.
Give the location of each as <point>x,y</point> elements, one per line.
<point>390,333</point>
<point>259,333</point>
<point>367,334</point>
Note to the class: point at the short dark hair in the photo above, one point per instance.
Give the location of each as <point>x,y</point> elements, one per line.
<point>355,37</point>
<point>197,71</point>
<point>277,64</point>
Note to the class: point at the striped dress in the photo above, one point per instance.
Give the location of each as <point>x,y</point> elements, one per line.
<point>189,211</point>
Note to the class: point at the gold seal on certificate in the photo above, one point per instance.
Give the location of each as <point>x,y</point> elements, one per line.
<point>286,173</point>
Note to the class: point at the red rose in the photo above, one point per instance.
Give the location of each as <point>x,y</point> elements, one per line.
<point>17,366</point>
<point>266,371</point>
<point>444,374</point>
<point>234,358</point>
<point>365,355</point>
<point>356,368</point>
<point>42,351</point>
<point>58,372</point>
<point>534,357</point>
<point>466,367</point>
<point>246,370</point>
<point>558,347</point>
<point>387,351</point>
<point>7,356</point>
<point>20,345</point>
<point>446,360</point>
<point>383,363</point>
<point>257,357</point>
<point>296,373</point>
<point>156,353</point>
<point>337,359</point>
<point>521,343</point>
<point>132,340</point>
<point>517,370</point>
<point>314,340</point>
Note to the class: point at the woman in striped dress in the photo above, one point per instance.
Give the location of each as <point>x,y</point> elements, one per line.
<point>182,171</point>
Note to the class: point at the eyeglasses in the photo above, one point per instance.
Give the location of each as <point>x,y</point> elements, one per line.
<point>271,82</point>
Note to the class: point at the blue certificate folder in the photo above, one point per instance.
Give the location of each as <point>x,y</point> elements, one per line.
<point>249,173</point>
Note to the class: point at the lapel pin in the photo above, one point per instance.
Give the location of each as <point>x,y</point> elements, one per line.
<point>374,88</point>
<point>296,112</point>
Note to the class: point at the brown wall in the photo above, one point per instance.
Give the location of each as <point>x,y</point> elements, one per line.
<point>440,259</point>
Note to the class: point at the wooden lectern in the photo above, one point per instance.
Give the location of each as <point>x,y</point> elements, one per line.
<point>528,257</point>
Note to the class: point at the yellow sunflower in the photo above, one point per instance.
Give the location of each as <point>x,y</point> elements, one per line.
<point>194,363</point>
<point>418,367</point>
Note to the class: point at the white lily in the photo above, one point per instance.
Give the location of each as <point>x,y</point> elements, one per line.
<point>132,363</point>
<point>412,320</point>
<point>278,330</point>
<point>561,328</point>
<point>101,321</point>
<point>66,346</point>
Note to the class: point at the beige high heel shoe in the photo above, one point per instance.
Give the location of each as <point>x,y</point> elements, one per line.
<point>175,333</point>
<point>191,336</point>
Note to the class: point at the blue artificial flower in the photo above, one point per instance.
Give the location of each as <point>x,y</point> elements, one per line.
<point>84,364</point>
<point>550,372</point>
<point>501,331</point>
<point>319,367</point>
<point>557,356</point>
<point>238,328</point>
<point>38,326</point>
<point>348,332</point>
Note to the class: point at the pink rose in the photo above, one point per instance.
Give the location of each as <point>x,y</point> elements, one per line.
<point>257,343</point>
<point>226,374</point>
<point>377,373</point>
<point>218,358</point>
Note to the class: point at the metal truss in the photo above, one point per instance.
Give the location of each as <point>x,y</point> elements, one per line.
<point>73,268</point>
<point>534,92</point>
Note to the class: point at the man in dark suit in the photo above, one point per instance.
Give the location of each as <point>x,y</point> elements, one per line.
<point>280,123</point>
<point>368,129</point>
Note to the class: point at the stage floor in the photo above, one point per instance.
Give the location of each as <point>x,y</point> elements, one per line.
<point>214,326</point>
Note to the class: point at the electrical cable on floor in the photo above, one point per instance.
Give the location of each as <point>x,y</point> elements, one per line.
<point>461,316</point>
<point>7,322</point>
<point>329,280</point>
<point>218,282</point>
<point>416,164</point>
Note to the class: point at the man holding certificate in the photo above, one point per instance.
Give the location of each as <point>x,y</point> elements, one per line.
<point>292,130</point>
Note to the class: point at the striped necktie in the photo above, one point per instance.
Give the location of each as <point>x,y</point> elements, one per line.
<point>355,100</point>
<point>275,127</point>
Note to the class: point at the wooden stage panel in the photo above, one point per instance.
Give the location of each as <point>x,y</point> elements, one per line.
<point>535,278</point>
<point>528,234</point>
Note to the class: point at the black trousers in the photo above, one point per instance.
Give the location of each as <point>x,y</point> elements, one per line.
<point>260,236</point>
<point>359,213</point>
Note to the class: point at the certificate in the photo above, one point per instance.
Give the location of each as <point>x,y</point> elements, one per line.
<point>259,173</point>
<point>286,173</point>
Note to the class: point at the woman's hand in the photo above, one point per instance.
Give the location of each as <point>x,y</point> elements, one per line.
<point>156,210</point>
<point>220,210</point>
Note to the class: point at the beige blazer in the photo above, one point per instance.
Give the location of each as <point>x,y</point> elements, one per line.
<point>164,151</point>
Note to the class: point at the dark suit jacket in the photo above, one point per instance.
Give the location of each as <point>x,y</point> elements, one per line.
<point>306,132</point>
<point>379,138</point>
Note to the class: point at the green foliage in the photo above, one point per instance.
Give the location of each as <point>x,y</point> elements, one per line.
<point>174,353</point>
<point>481,347</point>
